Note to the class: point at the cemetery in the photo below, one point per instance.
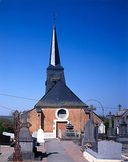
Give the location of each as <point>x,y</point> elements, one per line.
<point>97,144</point>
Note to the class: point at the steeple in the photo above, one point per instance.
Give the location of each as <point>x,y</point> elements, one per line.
<point>55,72</point>
<point>54,53</point>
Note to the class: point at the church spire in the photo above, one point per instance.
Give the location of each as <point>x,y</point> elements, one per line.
<point>55,72</point>
<point>54,53</point>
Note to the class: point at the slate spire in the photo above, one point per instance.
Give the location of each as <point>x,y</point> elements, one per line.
<point>54,53</point>
<point>55,72</point>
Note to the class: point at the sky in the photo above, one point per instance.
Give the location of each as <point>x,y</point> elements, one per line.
<point>93,45</point>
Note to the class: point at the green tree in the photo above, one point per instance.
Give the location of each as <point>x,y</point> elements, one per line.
<point>6,125</point>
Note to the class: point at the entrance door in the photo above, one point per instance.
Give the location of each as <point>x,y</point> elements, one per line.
<point>60,129</point>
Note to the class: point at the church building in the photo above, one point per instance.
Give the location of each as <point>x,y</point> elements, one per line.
<point>59,105</point>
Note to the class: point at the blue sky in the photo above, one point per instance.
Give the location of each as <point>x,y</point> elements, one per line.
<point>93,44</point>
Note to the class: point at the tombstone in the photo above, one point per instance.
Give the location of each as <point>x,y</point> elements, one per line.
<point>89,137</point>
<point>25,138</point>
<point>17,155</point>
<point>89,133</point>
<point>69,133</point>
<point>40,136</point>
<point>110,129</point>
<point>123,129</point>
<point>101,129</point>
<point>108,151</point>
<point>96,132</point>
<point>117,131</point>
<point>122,136</point>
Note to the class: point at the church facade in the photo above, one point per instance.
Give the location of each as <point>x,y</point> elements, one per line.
<point>59,105</point>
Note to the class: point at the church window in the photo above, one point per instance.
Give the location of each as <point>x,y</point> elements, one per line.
<point>62,113</point>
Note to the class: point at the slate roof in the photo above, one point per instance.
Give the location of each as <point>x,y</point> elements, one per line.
<point>60,96</point>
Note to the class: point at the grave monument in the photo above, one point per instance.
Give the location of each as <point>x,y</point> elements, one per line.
<point>25,138</point>
<point>89,139</point>
<point>108,151</point>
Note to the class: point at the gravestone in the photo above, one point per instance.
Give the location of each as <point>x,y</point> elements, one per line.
<point>89,137</point>
<point>89,133</point>
<point>108,151</point>
<point>69,133</point>
<point>69,130</point>
<point>25,138</point>
<point>117,131</point>
<point>96,132</point>
<point>122,136</point>
<point>101,129</point>
<point>123,129</point>
<point>40,136</point>
<point>110,131</point>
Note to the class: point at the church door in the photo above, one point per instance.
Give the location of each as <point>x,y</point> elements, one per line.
<point>60,129</point>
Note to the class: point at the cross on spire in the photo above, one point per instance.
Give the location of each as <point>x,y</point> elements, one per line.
<point>54,17</point>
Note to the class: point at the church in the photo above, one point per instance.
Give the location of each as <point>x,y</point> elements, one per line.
<point>59,105</point>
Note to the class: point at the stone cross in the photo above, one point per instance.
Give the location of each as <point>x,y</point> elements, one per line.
<point>17,123</point>
<point>110,129</point>
<point>24,117</point>
<point>24,120</point>
<point>91,108</point>
<point>89,131</point>
<point>110,119</point>
<point>25,138</point>
<point>17,156</point>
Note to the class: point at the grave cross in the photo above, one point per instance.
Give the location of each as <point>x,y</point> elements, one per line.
<point>91,109</point>
<point>17,123</point>
<point>110,119</point>
<point>17,156</point>
<point>24,120</point>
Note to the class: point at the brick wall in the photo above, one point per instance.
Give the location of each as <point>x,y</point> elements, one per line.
<point>77,117</point>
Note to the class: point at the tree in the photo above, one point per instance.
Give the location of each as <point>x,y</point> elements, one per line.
<point>6,124</point>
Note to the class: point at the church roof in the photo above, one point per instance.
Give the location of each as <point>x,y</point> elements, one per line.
<point>54,53</point>
<point>60,96</point>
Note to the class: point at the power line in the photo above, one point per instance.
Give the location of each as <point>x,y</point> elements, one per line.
<point>32,99</point>
<point>5,107</point>
<point>25,98</point>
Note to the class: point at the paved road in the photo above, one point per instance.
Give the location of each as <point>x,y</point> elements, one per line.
<point>62,151</point>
